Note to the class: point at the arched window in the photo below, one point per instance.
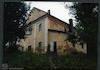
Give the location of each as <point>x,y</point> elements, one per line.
<point>40,45</point>
<point>64,29</point>
<point>40,27</point>
<point>30,31</point>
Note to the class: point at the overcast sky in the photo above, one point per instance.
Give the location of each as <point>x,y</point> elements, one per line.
<point>57,9</point>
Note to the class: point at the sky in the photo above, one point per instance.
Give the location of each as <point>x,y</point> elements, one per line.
<point>57,9</point>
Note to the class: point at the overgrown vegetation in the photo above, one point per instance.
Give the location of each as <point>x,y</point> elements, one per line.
<point>86,15</point>
<point>15,14</point>
<point>34,60</point>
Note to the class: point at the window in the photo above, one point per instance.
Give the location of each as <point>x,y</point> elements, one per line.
<point>30,31</point>
<point>82,46</point>
<point>40,27</point>
<point>23,48</point>
<point>64,29</point>
<point>29,48</point>
<point>40,45</point>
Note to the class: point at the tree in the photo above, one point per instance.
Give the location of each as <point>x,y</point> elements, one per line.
<point>15,14</point>
<point>86,15</point>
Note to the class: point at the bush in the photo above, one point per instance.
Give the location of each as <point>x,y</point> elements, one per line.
<point>74,51</point>
<point>36,60</point>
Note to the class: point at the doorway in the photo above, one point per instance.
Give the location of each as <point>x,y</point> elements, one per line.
<point>29,48</point>
<point>53,47</point>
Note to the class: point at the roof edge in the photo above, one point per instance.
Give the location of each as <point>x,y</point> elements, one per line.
<point>38,9</point>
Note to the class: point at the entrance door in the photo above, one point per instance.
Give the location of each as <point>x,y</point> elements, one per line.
<point>29,48</point>
<point>53,46</point>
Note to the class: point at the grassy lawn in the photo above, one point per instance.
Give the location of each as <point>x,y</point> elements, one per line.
<point>35,60</point>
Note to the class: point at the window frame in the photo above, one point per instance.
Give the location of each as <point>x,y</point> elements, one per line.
<point>29,48</point>
<point>30,30</point>
<point>40,27</point>
<point>64,29</point>
<point>40,45</point>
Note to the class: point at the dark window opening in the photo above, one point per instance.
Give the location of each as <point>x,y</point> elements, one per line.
<point>82,46</point>
<point>29,48</point>
<point>23,48</point>
<point>40,45</point>
<point>40,27</point>
<point>55,47</point>
<point>30,31</point>
<point>64,29</point>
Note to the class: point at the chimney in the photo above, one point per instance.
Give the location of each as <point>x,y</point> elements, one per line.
<point>71,22</point>
<point>49,12</point>
<point>70,25</point>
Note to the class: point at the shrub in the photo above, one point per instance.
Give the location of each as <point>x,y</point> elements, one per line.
<point>36,60</point>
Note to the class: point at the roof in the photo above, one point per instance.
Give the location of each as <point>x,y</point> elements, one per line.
<point>45,15</point>
<point>59,20</point>
<point>38,9</point>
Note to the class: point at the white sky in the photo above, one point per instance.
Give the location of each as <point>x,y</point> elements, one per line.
<point>57,9</point>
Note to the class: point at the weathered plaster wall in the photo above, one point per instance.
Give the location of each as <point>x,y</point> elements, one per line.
<point>60,37</point>
<point>40,35</point>
<point>55,24</point>
<point>34,14</point>
<point>62,45</point>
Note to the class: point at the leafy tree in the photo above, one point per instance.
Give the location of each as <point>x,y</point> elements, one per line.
<point>86,15</point>
<point>15,14</point>
<point>71,38</point>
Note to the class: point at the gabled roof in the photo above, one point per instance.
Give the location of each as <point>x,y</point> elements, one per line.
<point>38,19</point>
<point>45,15</point>
<point>34,12</point>
<point>38,9</point>
<point>59,20</point>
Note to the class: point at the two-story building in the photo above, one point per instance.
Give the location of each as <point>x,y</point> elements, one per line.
<point>46,33</point>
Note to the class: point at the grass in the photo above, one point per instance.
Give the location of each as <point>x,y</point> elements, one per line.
<point>35,60</point>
